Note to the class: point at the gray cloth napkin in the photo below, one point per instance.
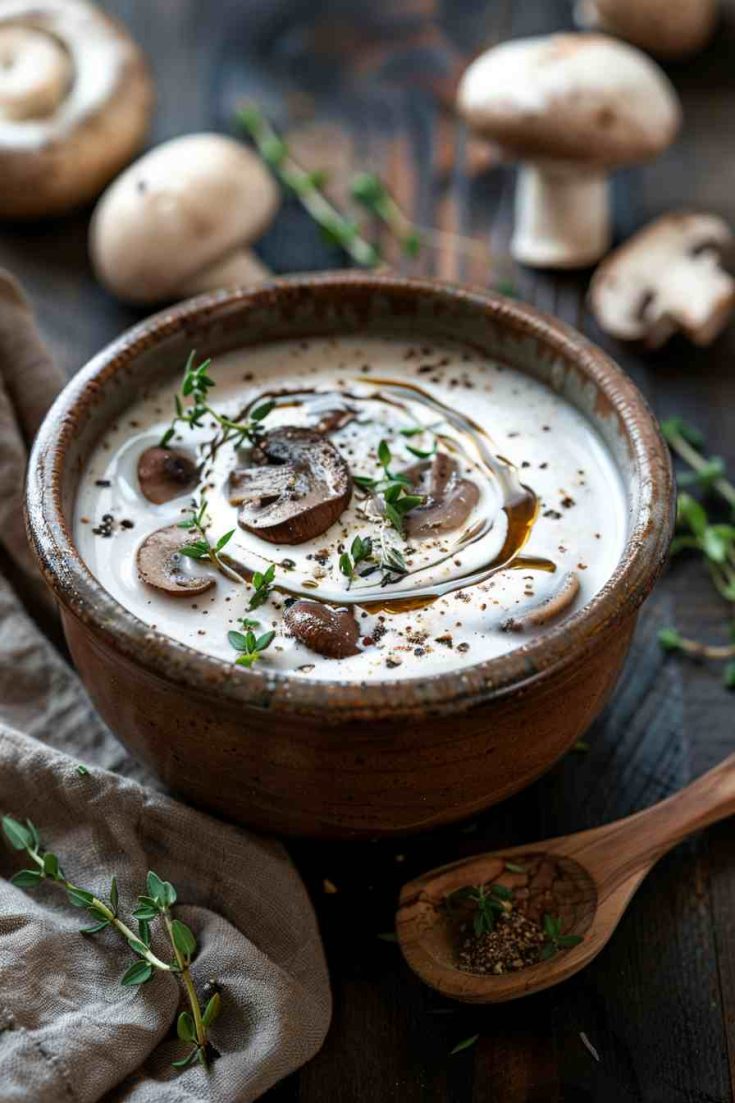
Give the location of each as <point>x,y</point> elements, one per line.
<point>68,1030</point>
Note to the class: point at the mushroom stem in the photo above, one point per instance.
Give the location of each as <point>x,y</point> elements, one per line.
<point>238,269</point>
<point>562,217</point>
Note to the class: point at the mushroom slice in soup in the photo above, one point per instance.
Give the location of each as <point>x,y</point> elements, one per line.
<point>330,632</point>
<point>449,498</point>
<point>558,602</point>
<point>298,486</point>
<point>161,564</point>
<point>166,473</point>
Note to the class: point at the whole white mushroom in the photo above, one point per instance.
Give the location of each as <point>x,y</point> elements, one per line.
<point>665,28</point>
<point>75,103</point>
<point>181,220</point>
<point>570,108</point>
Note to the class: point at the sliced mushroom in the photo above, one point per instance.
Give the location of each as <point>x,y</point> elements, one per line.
<point>547,610</point>
<point>300,486</point>
<point>667,277</point>
<point>330,632</point>
<point>449,498</point>
<point>161,564</point>
<point>166,473</point>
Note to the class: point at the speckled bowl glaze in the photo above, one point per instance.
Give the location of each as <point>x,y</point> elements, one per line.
<point>341,759</point>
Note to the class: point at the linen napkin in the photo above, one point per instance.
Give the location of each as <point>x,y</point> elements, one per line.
<point>68,1029</point>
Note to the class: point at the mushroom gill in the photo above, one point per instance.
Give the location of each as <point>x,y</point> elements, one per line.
<point>298,486</point>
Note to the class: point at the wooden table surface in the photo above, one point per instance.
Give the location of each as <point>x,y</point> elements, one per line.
<point>658,1006</point>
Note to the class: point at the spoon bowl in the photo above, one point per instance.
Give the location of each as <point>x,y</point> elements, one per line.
<point>586,880</point>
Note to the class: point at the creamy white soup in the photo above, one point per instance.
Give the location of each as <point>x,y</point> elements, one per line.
<point>396,510</point>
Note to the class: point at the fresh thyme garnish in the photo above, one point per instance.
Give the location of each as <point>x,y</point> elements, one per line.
<point>555,940</point>
<point>262,586</point>
<point>488,903</point>
<point>713,540</point>
<point>368,190</point>
<point>361,551</point>
<point>306,187</point>
<point>249,647</point>
<point>466,1043</point>
<point>393,488</point>
<point>193,1025</point>
<point>192,406</point>
<point>201,548</point>
<point>418,430</point>
<point>514,867</point>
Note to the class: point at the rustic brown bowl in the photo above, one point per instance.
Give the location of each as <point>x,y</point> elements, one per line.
<point>342,759</point>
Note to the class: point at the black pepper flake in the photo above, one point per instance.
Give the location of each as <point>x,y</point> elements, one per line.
<point>102,482</point>
<point>553,514</point>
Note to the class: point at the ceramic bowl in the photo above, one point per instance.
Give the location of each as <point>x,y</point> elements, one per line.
<point>341,759</point>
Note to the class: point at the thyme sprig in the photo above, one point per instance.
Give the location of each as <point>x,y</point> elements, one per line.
<point>192,405</point>
<point>555,940</point>
<point>192,1026</point>
<point>361,551</point>
<point>249,646</point>
<point>713,540</point>
<point>201,548</point>
<point>262,582</point>
<point>393,488</point>
<point>306,186</point>
<point>487,902</point>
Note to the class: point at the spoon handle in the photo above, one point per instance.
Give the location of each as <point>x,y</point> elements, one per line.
<point>641,839</point>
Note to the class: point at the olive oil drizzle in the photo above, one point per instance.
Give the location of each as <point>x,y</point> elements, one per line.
<point>519,502</point>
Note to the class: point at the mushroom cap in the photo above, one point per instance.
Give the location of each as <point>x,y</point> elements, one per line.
<point>166,473</point>
<point>181,208</point>
<point>667,276</point>
<point>665,28</point>
<point>575,97</point>
<point>330,632</point>
<point>75,104</point>
<point>299,487</point>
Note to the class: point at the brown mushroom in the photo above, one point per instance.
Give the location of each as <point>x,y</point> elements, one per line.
<point>449,498</point>
<point>161,564</point>
<point>166,473</point>
<point>299,486</point>
<point>330,632</point>
<point>549,609</point>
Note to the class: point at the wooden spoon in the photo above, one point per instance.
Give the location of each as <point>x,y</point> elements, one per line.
<point>586,879</point>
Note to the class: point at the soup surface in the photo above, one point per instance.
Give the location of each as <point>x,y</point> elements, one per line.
<point>485,507</point>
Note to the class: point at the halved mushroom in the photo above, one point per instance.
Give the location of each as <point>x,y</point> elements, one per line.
<point>667,277</point>
<point>166,473</point>
<point>450,499</point>
<point>547,610</point>
<point>330,632</point>
<point>299,487</point>
<point>161,564</point>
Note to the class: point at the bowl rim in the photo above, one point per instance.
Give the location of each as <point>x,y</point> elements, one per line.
<point>642,560</point>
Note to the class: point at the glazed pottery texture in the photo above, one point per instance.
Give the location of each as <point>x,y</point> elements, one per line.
<point>340,759</point>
